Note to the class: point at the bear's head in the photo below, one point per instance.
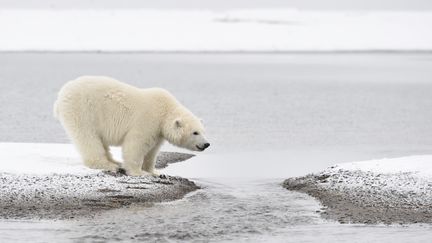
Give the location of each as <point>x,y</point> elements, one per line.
<point>186,131</point>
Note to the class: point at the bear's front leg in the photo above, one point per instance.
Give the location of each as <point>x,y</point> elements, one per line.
<point>133,156</point>
<point>150,160</point>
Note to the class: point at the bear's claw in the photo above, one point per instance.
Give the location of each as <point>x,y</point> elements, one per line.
<point>121,171</point>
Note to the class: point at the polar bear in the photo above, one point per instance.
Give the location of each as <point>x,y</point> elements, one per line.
<point>98,112</point>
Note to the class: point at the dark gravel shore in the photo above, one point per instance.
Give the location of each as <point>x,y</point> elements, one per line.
<point>62,196</point>
<point>369,198</point>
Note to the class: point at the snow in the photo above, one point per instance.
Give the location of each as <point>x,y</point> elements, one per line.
<point>404,175</point>
<point>40,159</point>
<point>49,158</point>
<point>237,30</point>
<point>390,191</point>
<point>420,165</point>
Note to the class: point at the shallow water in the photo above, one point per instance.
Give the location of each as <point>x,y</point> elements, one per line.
<point>217,212</point>
<point>269,117</point>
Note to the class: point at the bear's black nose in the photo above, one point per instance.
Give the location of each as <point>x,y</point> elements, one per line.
<point>206,145</point>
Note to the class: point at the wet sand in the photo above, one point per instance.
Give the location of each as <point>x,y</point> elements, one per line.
<point>364,197</point>
<point>66,196</point>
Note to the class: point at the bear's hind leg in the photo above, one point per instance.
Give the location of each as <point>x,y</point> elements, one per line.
<point>94,154</point>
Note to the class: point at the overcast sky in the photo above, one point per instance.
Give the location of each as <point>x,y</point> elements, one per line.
<point>225,4</point>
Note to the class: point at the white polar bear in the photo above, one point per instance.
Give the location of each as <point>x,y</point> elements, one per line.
<point>98,112</point>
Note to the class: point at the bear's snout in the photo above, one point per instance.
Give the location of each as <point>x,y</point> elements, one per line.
<point>203,146</point>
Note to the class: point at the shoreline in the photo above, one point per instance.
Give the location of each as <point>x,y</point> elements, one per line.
<point>368,197</point>
<point>71,195</point>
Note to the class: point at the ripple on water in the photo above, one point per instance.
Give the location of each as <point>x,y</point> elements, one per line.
<point>218,212</point>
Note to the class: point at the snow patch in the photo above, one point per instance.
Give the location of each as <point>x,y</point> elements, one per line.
<point>40,158</point>
<point>240,30</point>
<point>404,175</point>
<point>419,164</point>
<point>386,191</point>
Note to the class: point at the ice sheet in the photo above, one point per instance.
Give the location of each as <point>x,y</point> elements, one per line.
<point>240,30</point>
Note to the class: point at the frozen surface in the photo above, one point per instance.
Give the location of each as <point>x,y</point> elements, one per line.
<point>239,30</point>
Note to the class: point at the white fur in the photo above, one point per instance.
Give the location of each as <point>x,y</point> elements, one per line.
<point>98,112</point>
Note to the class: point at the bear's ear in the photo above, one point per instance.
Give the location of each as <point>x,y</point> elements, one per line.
<point>202,121</point>
<point>178,123</point>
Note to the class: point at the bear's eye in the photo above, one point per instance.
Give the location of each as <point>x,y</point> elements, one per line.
<point>195,133</point>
